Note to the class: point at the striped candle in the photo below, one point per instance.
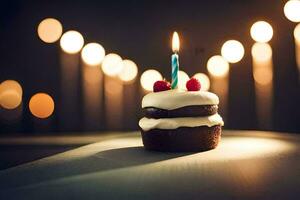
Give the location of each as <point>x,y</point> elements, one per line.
<point>175,60</point>
<point>175,69</point>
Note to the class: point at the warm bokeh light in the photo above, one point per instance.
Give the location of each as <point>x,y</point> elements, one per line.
<point>11,85</point>
<point>292,10</point>
<point>10,94</point>
<point>41,105</point>
<point>10,99</point>
<point>297,33</point>
<point>261,51</point>
<point>93,54</point>
<point>182,79</point>
<point>49,30</point>
<point>175,42</point>
<point>91,75</point>
<point>112,64</point>
<point>204,81</point>
<point>297,46</point>
<point>262,63</point>
<point>217,66</point>
<point>233,51</point>
<point>261,31</point>
<point>117,91</point>
<point>71,42</point>
<point>263,75</point>
<point>129,71</point>
<point>149,77</point>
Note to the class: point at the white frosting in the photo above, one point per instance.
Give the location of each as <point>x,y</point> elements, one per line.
<point>172,99</point>
<point>172,123</point>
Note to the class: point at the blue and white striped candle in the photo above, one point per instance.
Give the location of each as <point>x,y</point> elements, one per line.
<point>175,60</point>
<point>175,69</point>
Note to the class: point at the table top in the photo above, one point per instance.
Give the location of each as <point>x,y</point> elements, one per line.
<point>246,165</point>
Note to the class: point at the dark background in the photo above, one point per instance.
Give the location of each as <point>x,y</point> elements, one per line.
<point>141,31</point>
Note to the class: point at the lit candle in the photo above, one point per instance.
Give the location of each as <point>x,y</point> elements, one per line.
<point>175,60</point>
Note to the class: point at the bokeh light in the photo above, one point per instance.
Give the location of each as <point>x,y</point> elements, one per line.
<point>261,31</point>
<point>217,66</point>
<point>91,75</point>
<point>292,10</point>
<point>129,71</point>
<point>262,63</point>
<point>204,81</point>
<point>233,51</point>
<point>149,77</point>
<point>117,89</point>
<point>49,30</point>
<point>297,33</point>
<point>71,42</point>
<point>263,75</point>
<point>93,54</point>
<point>10,99</point>
<point>41,105</point>
<point>261,51</point>
<point>11,85</point>
<point>112,64</point>
<point>10,94</point>
<point>182,79</point>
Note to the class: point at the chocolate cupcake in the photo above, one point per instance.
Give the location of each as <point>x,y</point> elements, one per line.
<point>178,120</point>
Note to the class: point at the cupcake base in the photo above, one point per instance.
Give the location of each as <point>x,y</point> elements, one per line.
<point>183,139</point>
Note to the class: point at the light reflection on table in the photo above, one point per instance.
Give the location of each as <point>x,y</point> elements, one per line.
<point>246,165</point>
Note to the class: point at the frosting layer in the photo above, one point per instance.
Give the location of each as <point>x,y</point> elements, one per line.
<point>173,99</point>
<point>173,123</point>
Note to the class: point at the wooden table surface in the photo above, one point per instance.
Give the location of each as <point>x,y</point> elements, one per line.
<point>246,165</point>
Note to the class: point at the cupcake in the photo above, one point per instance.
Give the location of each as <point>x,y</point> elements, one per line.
<point>180,120</point>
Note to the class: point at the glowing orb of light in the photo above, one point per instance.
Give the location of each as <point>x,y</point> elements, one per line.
<point>71,42</point>
<point>261,31</point>
<point>49,30</point>
<point>149,77</point>
<point>217,66</point>
<point>129,71</point>
<point>93,54</point>
<point>233,51</point>
<point>297,33</point>
<point>41,105</point>
<point>182,79</point>
<point>10,99</point>
<point>10,94</point>
<point>11,85</point>
<point>292,10</point>
<point>204,81</point>
<point>261,52</point>
<point>112,64</point>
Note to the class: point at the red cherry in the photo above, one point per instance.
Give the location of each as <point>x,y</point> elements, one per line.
<point>193,85</point>
<point>161,86</point>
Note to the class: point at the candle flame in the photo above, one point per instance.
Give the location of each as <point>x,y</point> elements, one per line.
<point>175,42</point>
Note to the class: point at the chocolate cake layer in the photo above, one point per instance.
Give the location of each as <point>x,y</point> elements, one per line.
<point>184,139</point>
<point>187,111</point>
